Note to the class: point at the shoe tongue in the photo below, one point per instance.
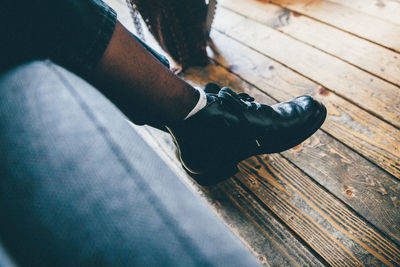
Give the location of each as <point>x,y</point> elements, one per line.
<point>226,91</point>
<point>231,98</point>
<point>234,99</point>
<point>210,98</point>
<point>229,95</point>
<point>212,88</point>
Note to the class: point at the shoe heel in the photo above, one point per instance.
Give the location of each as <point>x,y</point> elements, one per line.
<point>214,176</point>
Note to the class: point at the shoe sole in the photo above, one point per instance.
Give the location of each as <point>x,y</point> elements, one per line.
<point>220,173</point>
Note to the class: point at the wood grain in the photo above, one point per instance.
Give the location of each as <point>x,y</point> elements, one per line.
<point>275,193</point>
<point>334,251</point>
<point>371,93</point>
<point>383,9</point>
<point>261,174</point>
<point>317,229</point>
<point>365,133</point>
<point>267,238</point>
<point>370,191</point>
<point>347,19</point>
<point>313,225</point>
<point>368,56</point>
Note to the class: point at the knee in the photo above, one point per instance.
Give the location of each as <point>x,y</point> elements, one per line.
<point>23,76</point>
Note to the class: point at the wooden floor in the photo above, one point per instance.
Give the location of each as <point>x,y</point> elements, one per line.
<point>335,199</point>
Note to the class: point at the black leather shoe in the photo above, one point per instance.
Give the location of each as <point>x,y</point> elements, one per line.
<point>233,127</point>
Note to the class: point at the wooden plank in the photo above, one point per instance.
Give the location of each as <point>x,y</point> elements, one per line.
<point>286,250</point>
<point>316,215</point>
<point>317,230</point>
<point>347,19</point>
<point>373,94</point>
<point>368,190</point>
<point>271,242</point>
<point>342,247</point>
<point>382,9</point>
<point>370,136</point>
<point>349,244</point>
<point>375,59</point>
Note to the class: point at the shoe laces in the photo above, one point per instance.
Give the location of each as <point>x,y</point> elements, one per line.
<point>244,99</point>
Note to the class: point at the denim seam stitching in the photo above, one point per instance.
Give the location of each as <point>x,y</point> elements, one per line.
<point>182,238</point>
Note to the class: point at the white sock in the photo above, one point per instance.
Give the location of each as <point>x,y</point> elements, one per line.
<point>200,104</point>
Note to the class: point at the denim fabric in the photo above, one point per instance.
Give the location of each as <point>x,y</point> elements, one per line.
<point>79,187</point>
<point>73,33</point>
<point>5,260</point>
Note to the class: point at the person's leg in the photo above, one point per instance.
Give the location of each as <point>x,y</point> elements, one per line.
<point>220,130</point>
<point>140,85</point>
<point>79,187</point>
<point>85,37</point>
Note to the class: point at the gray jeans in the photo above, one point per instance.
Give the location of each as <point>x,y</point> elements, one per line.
<point>79,187</point>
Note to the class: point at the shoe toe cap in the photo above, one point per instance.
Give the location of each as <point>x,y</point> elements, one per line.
<point>300,111</point>
<point>305,102</point>
<point>308,107</point>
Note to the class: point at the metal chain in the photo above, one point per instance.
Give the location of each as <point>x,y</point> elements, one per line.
<point>136,19</point>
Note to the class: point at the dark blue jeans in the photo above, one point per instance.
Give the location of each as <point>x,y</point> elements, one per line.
<point>72,33</point>
<point>78,186</point>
